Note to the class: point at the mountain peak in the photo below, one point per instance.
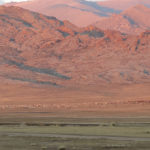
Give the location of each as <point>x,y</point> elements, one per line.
<point>134,20</point>
<point>140,6</point>
<point>43,50</point>
<point>80,12</point>
<point>137,8</point>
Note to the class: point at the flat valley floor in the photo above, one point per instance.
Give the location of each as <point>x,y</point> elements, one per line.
<point>102,101</point>
<point>92,118</point>
<point>50,133</point>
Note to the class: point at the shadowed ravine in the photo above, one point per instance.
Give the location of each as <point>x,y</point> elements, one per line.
<point>50,72</point>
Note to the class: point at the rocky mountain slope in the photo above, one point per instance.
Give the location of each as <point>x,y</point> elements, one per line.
<point>42,50</point>
<point>126,16</point>
<point>123,4</point>
<point>132,21</point>
<point>79,12</point>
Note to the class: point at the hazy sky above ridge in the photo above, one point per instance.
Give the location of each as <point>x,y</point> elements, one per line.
<point>8,1</point>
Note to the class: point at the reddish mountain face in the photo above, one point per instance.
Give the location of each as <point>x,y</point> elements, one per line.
<point>41,50</point>
<point>79,12</point>
<point>132,21</point>
<point>48,65</point>
<point>126,16</point>
<point>123,4</point>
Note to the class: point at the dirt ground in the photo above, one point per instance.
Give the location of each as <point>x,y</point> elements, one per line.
<point>108,100</point>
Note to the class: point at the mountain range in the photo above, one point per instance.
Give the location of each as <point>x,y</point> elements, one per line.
<point>39,49</point>
<point>126,16</point>
<point>48,64</point>
<point>79,12</point>
<point>124,4</point>
<point>134,20</point>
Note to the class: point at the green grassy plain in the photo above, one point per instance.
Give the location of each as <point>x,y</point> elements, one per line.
<point>43,143</point>
<point>109,130</point>
<point>75,134</point>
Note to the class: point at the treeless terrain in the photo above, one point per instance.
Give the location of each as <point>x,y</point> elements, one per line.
<point>126,16</point>
<point>79,12</point>
<point>134,20</point>
<point>48,65</point>
<point>104,101</point>
<point>123,4</point>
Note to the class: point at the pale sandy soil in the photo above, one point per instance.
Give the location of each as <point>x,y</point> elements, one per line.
<point>108,100</point>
